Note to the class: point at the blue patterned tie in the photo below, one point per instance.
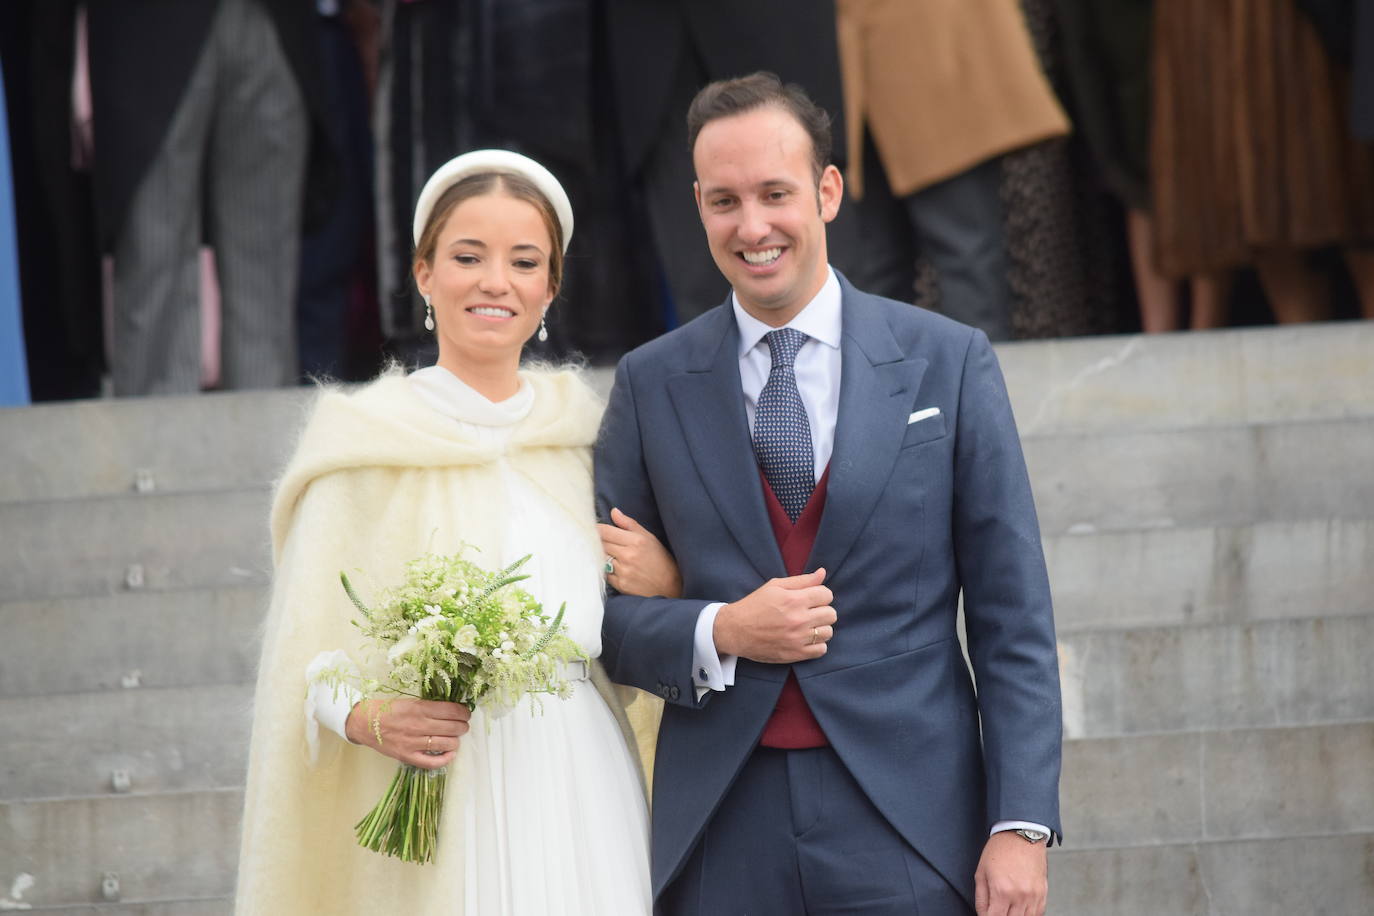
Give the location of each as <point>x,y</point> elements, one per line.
<point>782,434</point>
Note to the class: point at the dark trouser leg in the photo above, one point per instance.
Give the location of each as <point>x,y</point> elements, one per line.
<point>156,327</point>
<point>876,250</point>
<point>332,251</point>
<point>958,226</point>
<point>693,279</point>
<point>796,835</point>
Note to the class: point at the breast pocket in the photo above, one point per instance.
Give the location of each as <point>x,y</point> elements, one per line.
<point>925,430</point>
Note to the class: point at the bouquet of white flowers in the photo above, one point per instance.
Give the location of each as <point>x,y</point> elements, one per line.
<point>451,631</point>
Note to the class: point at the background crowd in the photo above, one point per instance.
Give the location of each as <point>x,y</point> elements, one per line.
<point>217,193</point>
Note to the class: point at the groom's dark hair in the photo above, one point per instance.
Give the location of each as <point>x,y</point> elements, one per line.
<point>725,98</point>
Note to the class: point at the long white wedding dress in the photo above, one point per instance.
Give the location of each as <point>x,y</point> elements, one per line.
<point>553,810</point>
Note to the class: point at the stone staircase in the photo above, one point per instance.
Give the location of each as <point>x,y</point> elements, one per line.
<point>1209,523</point>
<point>1207,504</point>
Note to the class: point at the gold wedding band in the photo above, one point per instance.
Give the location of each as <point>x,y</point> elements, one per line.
<point>429,739</point>
<point>815,635</point>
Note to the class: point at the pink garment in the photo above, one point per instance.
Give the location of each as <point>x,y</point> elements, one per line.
<point>82,123</point>
<point>209,314</point>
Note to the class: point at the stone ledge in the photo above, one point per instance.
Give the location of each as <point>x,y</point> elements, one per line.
<point>1171,381</point>
<point>1165,679</point>
<point>163,740</point>
<point>1216,785</point>
<point>1216,574</point>
<point>1331,875</point>
<point>163,847</point>
<point>172,638</point>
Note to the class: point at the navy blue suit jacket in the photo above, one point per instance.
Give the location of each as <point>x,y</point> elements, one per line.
<point>914,513</point>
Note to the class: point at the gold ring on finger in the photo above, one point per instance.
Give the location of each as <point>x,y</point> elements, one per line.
<point>815,635</point>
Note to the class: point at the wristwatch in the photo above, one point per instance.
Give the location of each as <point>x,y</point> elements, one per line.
<point>1032,836</point>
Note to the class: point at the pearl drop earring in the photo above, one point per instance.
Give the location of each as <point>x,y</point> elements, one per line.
<point>429,313</point>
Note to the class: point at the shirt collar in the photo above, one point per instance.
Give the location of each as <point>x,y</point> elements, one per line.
<point>819,320</point>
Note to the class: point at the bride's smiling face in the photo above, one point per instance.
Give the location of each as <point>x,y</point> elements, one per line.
<point>489,279</point>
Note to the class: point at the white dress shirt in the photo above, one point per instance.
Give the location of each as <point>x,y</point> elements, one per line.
<point>817,369</point>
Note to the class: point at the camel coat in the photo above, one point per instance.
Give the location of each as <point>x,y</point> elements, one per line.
<point>942,85</point>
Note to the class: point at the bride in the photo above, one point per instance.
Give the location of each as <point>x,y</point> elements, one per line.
<point>544,813</point>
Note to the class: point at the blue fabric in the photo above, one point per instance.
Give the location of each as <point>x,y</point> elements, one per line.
<point>14,372</point>
<point>916,513</point>
<point>796,834</point>
<point>782,433</point>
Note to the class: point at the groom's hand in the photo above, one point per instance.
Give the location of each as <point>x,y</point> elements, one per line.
<point>782,621</point>
<point>1012,877</point>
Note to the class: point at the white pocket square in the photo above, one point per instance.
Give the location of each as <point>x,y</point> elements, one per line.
<point>923,415</point>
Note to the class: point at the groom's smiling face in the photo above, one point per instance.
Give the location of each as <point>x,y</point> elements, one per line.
<point>764,211</point>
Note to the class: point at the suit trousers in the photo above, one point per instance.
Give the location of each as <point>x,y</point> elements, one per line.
<point>957,224</point>
<point>797,835</point>
<point>231,168</point>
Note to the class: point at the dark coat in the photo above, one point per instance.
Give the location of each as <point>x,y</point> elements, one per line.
<point>649,38</point>
<point>915,513</point>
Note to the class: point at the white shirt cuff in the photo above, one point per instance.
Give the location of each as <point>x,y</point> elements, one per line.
<point>1002,826</point>
<point>325,704</point>
<point>710,669</point>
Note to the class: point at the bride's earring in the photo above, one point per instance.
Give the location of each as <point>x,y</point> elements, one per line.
<point>543,328</point>
<point>429,313</point>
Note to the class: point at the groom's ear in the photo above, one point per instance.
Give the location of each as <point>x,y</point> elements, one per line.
<point>696,195</point>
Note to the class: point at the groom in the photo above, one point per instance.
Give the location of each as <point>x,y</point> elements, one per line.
<point>831,470</point>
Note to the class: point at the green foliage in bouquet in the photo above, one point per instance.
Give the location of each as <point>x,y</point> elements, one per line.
<point>451,631</point>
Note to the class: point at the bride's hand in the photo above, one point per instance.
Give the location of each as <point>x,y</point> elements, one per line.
<point>643,566</point>
<point>422,733</point>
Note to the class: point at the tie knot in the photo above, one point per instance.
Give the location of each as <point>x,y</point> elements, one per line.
<point>783,345</point>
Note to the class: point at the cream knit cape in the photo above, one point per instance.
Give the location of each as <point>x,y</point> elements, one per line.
<point>367,490</point>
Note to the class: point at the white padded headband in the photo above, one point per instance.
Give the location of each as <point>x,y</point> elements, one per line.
<point>494,160</point>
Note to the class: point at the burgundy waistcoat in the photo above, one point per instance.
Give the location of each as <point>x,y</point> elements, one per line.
<point>792,726</point>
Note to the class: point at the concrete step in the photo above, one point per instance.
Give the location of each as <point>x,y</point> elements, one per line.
<point>163,847</point>
<point>1132,577</point>
<point>82,449</point>
<point>1232,378</point>
<point>1115,683</point>
<point>134,639</point>
<point>1193,379</point>
<point>1166,679</point>
<point>87,547</point>
<point>1307,875</point>
<point>1235,784</point>
<point>172,739</point>
<point>1206,476</point>
<point>207,906</point>
<point>1205,575</point>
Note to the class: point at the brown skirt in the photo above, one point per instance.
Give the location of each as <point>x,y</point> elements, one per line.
<point>1250,141</point>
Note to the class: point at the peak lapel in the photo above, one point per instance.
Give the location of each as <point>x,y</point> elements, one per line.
<point>878,384</point>
<point>710,410</point>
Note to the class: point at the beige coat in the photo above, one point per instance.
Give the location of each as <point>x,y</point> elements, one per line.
<point>942,85</point>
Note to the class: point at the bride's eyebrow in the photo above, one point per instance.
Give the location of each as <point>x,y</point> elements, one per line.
<point>478,243</point>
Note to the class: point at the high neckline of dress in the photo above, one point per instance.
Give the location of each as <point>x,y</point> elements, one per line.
<point>454,398</point>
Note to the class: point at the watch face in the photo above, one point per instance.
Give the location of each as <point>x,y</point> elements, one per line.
<point>1035,836</point>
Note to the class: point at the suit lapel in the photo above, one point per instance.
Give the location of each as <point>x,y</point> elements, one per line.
<point>710,410</point>
<point>878,384</point>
